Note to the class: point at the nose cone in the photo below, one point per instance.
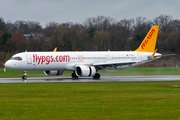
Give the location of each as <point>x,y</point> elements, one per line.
<point>7,64</point>
<point>13,65</point>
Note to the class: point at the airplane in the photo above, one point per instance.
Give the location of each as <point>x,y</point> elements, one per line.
<point>85,64</point>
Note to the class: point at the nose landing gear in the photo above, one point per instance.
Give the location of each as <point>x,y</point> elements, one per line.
<point>24,77</point>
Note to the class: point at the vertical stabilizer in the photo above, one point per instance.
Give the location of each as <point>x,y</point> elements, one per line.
<point>149,42</point>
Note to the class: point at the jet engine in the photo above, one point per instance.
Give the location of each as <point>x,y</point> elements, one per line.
<point>54,72</point>
<point>85,71</point>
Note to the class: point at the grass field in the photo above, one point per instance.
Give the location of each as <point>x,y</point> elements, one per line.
<point>87,101</point>
<point>122,72</point>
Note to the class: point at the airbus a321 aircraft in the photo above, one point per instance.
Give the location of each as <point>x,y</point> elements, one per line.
<point>85,64</point>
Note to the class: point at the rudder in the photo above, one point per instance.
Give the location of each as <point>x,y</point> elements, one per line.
<point>149,42</point>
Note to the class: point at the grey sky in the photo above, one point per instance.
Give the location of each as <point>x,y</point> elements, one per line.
<point>77,11</point>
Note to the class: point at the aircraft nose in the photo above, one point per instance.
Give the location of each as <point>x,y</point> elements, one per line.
<point>7,64</point>
<point>13,65</point>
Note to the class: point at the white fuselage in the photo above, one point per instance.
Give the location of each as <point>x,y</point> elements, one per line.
<point>42,61</point>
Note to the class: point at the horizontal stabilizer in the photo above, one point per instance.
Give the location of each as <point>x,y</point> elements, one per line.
<point>168,55</point>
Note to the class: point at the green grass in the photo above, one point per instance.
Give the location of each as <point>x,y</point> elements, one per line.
<point>121,72</point>
<point>87,101</point>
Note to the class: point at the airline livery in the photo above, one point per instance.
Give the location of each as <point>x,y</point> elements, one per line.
<point>85,64</point>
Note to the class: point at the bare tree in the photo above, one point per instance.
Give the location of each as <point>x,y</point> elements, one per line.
<point>163,22</point>
<point>100,22</point>
<point>101,40</point>
<point>49,29</point>
<point>141,24</point>
<point>16,43</point>
<point>174,26</point>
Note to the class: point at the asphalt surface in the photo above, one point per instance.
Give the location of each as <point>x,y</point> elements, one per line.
<point>102,79</point>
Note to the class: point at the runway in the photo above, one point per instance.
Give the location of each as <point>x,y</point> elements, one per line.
<point>103,79</point>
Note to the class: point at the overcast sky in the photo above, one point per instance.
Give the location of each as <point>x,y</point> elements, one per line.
<point>77,11</point>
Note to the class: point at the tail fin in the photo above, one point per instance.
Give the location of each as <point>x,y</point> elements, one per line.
<point>149,42</point>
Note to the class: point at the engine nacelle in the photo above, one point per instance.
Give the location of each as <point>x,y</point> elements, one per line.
<point>85,71</point>
<point>54,72</point>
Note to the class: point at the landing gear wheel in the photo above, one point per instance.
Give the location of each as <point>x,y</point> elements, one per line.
<point>97,76</point>
<point>24,77</point>
<point>74,76</point>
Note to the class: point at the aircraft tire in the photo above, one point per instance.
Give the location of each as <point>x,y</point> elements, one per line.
<point>74,76</point>
<point>24,77</point>
<point>97,76</point>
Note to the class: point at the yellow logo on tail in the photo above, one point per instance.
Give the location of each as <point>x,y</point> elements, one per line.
<point>149,42</point>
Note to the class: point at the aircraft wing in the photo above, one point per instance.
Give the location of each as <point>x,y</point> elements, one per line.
<point>115,63</point>
<point>104,64</point>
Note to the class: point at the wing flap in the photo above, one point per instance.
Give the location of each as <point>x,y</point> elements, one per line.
<point>115,63</point>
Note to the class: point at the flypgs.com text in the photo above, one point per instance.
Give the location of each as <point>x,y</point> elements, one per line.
<point>49,58</point>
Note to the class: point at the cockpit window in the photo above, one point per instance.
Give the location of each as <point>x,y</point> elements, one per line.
<point>16,58</point>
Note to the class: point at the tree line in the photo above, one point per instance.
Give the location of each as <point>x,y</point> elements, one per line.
<point>97,33</point>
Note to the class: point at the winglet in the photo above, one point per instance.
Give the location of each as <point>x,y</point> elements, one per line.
<point>153,54</point>
<point>149,42</point>
<point>55,49</point>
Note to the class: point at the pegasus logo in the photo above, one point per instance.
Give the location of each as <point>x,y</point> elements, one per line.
<point>147,39</point>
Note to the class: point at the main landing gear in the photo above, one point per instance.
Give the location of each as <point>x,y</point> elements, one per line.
<point>24,77</point>
<point>96,76</point>
<point>74,76</point>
